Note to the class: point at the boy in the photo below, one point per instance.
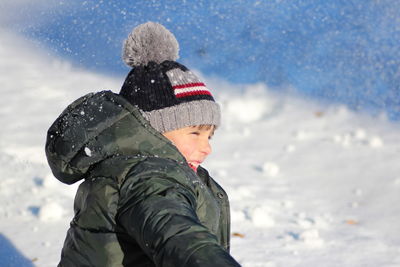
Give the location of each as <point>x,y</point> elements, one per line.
<point>145,199</point>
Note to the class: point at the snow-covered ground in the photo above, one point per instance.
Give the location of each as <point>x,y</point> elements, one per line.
<point>310,184</point>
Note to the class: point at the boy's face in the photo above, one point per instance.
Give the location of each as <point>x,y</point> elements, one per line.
<point>192,142</point>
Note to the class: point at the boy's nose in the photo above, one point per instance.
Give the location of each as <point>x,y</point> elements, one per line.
<point>206,148</point>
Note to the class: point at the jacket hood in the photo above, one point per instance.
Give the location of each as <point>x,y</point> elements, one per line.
<point>99,126</point>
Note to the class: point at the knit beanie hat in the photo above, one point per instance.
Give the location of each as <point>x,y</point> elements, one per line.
<point>169,95</point>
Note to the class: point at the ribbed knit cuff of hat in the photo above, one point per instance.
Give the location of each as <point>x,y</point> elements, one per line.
<point>194,113</point>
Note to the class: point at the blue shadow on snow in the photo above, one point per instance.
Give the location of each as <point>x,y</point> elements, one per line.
<point>10,256</point>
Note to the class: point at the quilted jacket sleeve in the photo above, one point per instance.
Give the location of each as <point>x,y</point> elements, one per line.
<point>159,214</point>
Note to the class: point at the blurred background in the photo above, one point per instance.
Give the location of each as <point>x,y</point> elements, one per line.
<point>336,51</point>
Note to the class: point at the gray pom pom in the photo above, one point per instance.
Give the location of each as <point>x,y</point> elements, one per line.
<point>150,42</point>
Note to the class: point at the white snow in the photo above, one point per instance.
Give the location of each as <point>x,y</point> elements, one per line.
<point>88,152</point>
<point>51,212</point>
<point>310,184</point>
<point>270,169</point>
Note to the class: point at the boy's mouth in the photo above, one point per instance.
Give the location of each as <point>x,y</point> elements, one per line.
<point>195,163</point>
<point>193,166</point>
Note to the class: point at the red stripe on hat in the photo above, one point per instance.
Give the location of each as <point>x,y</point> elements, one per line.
<point>202,92</point>
<point>187,85</point>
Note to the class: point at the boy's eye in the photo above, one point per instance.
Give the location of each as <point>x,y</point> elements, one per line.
<point>195,133</point>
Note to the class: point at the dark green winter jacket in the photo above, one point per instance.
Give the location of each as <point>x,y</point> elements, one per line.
<point>139,204</point>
